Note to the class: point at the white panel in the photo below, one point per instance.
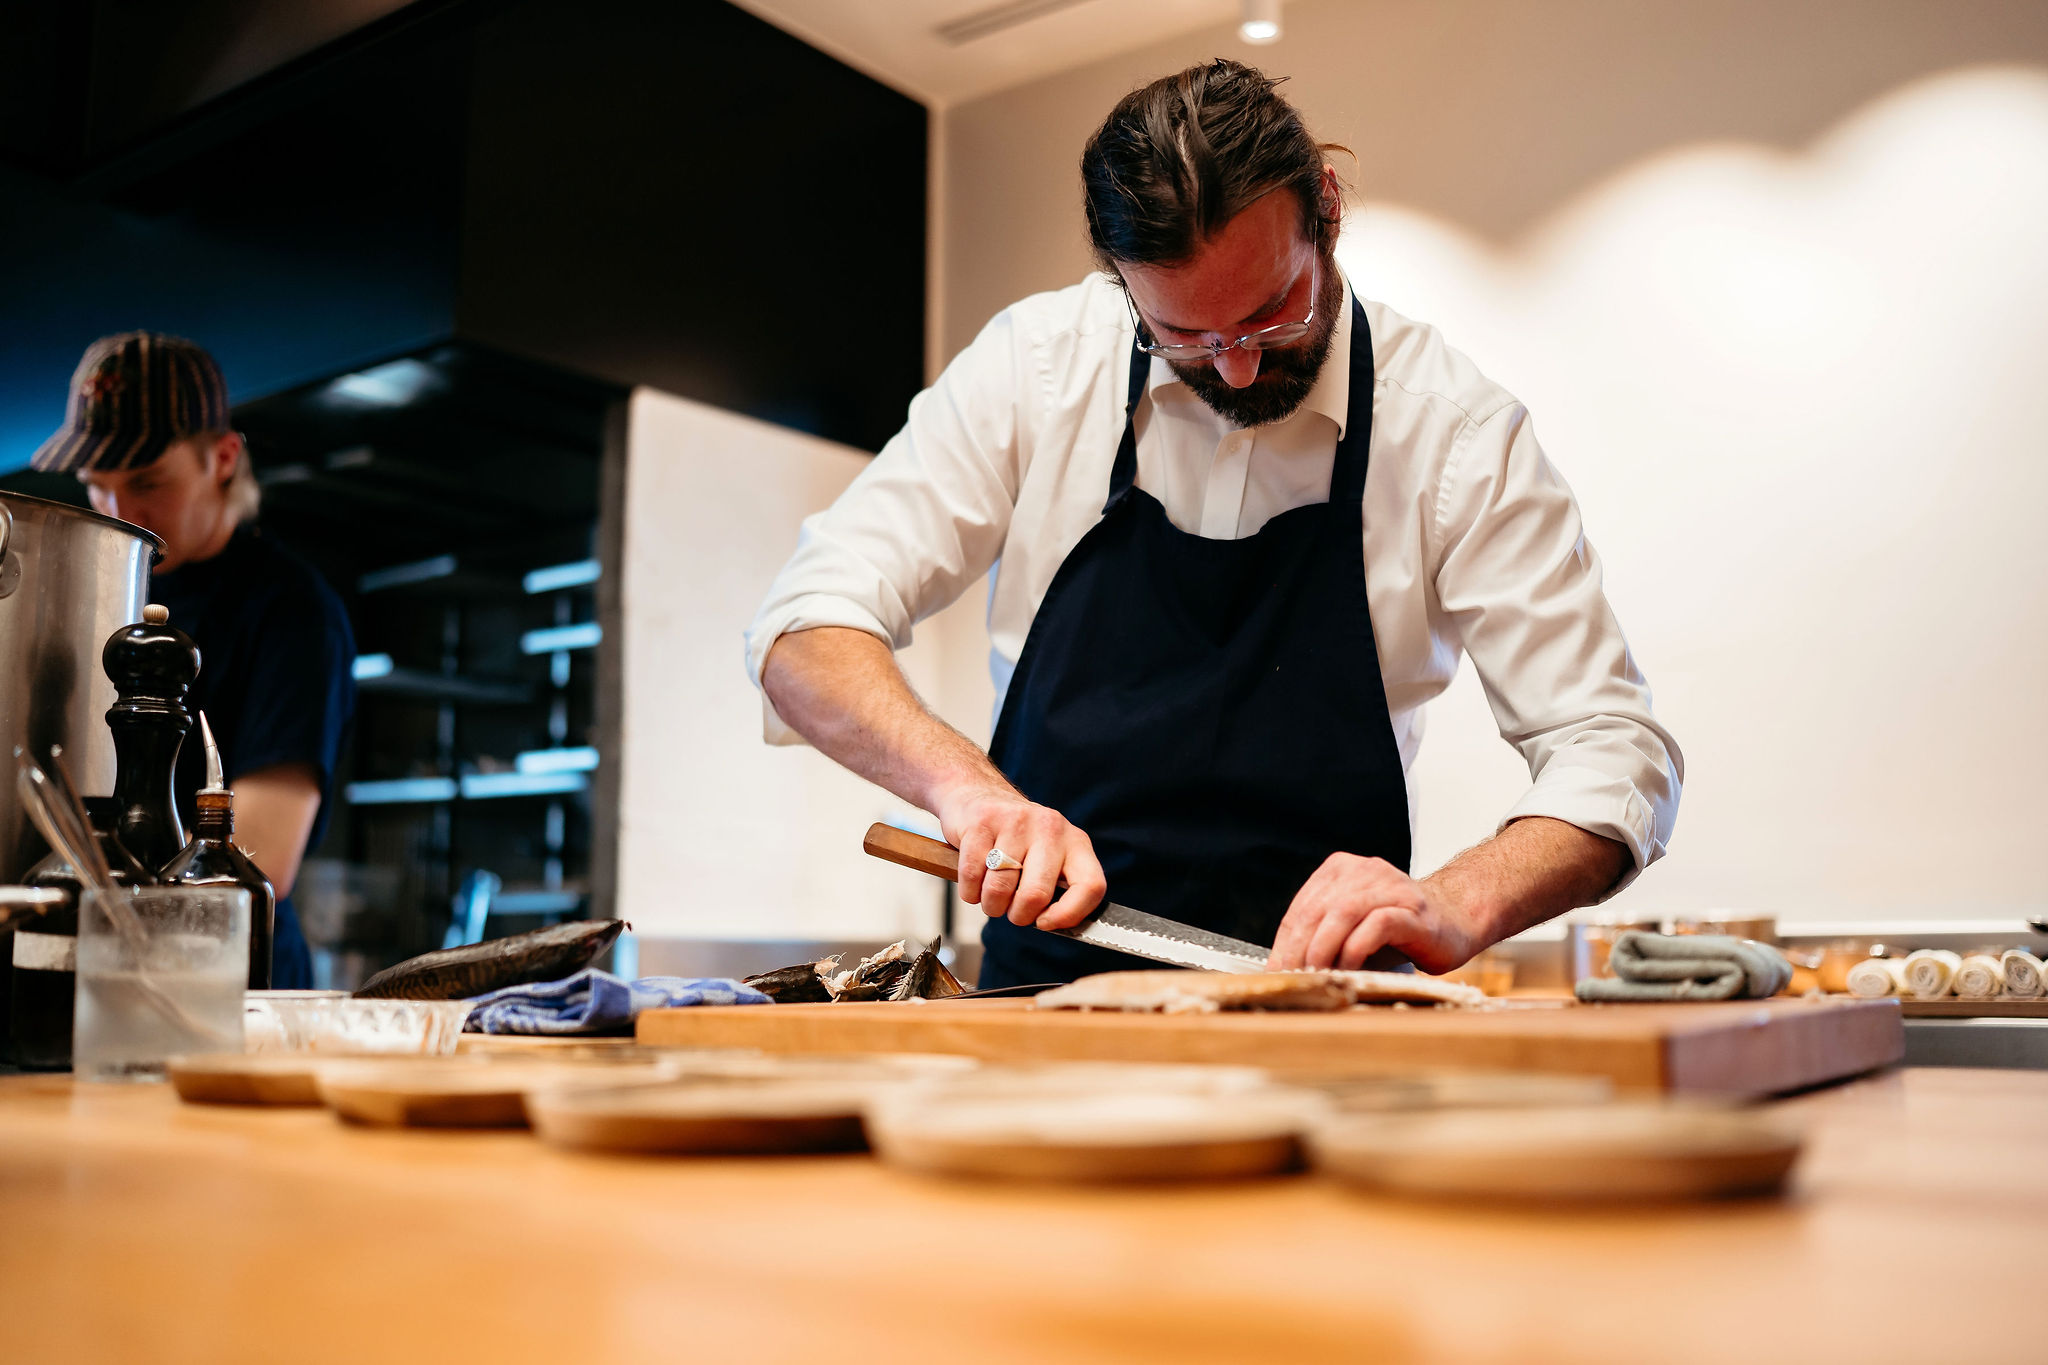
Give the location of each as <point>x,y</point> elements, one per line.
<point>1797,397</point>
<point>720,835</point>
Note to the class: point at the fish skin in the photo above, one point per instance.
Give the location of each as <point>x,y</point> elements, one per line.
<point>798,985</point>
<point>927,978</point>
<point>547,954</point>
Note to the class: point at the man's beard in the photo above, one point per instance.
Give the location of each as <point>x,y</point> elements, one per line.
<point>1286,374</point>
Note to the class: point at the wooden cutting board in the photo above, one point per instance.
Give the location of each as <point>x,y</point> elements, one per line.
<point>1953,1007</point>
<point>1735,1048</point>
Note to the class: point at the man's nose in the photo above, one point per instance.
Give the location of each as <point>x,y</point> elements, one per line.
<point>1238,367</point>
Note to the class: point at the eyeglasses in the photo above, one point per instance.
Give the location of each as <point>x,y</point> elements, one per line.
<point>1265,339</point>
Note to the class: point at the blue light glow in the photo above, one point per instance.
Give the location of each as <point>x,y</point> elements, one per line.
<point>401,791</point>
<point>563,576</point>
<point>391,385</point>
<point>485,786</point>
<point>582,759</point>
<point>547,641</point>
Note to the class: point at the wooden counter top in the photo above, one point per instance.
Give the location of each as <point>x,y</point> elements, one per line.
<point>136,1228</point>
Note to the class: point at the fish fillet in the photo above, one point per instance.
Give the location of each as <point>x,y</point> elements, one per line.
<point>1180,992</point>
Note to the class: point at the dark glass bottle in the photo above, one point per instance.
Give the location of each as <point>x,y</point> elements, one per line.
<point>213,859</point>
<point>152,665</point>
<point>45,967</point>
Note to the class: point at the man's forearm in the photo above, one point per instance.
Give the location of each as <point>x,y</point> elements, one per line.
<point>1535,869</point>
<point>842,690</point>
<point>274,812</point>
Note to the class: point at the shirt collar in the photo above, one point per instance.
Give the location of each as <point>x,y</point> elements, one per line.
<point>1331,396</point>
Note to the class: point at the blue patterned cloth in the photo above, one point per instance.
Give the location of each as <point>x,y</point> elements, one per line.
<point>598,1002</point>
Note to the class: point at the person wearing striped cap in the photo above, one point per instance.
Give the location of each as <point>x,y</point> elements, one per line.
<point>148,432</point>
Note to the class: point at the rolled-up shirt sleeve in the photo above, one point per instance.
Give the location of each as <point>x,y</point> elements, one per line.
<point>1522,587</point>
<point>924,520</point>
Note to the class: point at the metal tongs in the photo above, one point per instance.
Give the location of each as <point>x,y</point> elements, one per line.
<point>59,816</point>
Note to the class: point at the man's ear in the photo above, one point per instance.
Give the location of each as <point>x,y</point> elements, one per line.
<point>229,451</point>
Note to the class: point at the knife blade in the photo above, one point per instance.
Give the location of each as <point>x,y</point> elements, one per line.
<point>1110,926</point>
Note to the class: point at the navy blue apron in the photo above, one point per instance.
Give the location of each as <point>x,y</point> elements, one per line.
<point>1210,712</point>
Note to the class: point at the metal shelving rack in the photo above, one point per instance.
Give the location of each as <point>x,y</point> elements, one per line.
<point>452,496</point>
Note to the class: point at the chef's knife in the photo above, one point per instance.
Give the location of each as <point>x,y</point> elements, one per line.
<point>1111,926</point>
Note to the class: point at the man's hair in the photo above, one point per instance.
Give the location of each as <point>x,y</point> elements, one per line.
<point>1180,158</point>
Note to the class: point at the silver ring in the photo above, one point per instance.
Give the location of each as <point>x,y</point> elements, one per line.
<point>999,861</point>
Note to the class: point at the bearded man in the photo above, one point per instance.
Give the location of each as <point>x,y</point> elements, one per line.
<point>1241,525</point>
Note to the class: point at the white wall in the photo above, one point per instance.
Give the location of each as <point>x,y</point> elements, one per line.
<point>1770,277</point>
<point>1794,395</point>
<point>720,835</point>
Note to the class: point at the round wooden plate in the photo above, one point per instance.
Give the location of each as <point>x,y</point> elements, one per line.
<point>464,1092</point>
<point>708,1115</point>
<point>1095,1123</point>
<point>244,1078</point>
<point>1609,1153</point>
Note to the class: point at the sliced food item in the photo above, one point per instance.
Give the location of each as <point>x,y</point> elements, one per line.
<point>1608,1153</point>
<point>1175,992</point>
<point>547,954</point>
<point>1186,992</point>
<point>1929,972</point>
<point>1981,977</point>
<point>1874,978</point>
<point>1415,988</point>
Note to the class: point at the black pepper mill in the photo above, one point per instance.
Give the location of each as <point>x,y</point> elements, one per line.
<point>152,665</point>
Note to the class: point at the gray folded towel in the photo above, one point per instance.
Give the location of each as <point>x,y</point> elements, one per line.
<point>1688,967</point>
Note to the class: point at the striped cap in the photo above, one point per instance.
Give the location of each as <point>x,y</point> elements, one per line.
<point>132,396</point>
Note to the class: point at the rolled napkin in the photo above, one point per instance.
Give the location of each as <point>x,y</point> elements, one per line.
<point>2024,975</point>
<point>1981,977</point>
<point>1688,967</point>
<point>1930,972</point>
<point>1877,977</point>
<point>597,1002</point>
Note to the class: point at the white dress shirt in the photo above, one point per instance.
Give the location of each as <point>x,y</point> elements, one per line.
<point>1472,543</point>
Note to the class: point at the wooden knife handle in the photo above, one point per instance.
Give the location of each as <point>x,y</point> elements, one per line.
<point>913,850</point>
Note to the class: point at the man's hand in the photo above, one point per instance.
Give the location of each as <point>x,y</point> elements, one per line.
<point>1353,907</point>
<point>986,816</point>
<point>841,690</point>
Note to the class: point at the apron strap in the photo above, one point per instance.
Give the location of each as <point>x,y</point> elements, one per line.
<point>1347,474</point>
<point>1125,471</point>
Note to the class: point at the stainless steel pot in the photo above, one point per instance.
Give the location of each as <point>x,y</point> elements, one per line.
<point>69,578</point>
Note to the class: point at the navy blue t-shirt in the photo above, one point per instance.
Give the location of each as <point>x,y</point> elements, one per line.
<point>275,681</point>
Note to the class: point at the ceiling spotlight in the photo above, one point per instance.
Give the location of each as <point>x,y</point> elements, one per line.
<point>1261,21</point>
